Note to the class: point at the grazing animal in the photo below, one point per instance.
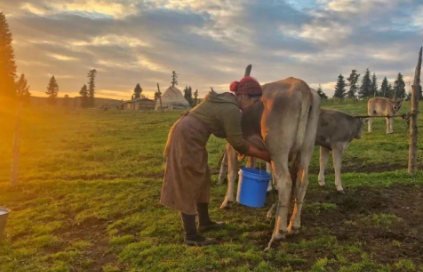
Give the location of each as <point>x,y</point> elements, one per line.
<point>381,106</point>
<point>286,118</point>
<point>335,131</point>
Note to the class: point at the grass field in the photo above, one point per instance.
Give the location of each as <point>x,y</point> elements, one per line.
<point>90,182</point>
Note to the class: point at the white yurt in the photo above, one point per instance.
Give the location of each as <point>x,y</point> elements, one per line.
<point>172,98</point>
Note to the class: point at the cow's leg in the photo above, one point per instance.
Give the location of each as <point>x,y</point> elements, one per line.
<point>269,170</point>
<point>284,187</point>
<point>301,185</point>
<point>232,174</point>
<point>337,151</point>
<point>223,169</point>
<point>391,125</point>
<point>388,125</point>
<point>272,211</point>
<point>305,154</point>
<point>324,157</point>
<point>370,124</point>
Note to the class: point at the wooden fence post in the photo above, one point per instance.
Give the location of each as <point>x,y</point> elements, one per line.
<point>14,174</point>
<point>416,89</point>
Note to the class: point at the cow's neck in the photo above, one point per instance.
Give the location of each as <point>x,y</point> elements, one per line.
<point>251,119</point>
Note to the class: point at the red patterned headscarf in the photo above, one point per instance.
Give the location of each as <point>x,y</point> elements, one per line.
<point>247,85</point>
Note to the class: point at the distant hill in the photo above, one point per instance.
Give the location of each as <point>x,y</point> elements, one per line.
<point>75,102</point>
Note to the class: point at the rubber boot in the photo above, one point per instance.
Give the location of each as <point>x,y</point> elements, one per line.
<point>191,236</point>
<point>205,223</point>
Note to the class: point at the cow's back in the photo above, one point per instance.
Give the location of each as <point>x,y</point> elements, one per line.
<point>379,106</point>
<point>286,106</point>
<point>335,126</point>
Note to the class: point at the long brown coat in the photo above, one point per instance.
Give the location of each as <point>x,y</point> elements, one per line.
<point>187,174</point>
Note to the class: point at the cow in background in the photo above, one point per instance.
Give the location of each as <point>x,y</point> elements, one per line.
<point>381,106</point>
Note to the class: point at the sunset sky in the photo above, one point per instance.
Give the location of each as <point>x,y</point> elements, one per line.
<point>209,43</point>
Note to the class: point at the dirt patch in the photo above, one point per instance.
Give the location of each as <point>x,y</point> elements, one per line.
<point>388,222</point>
<point>93,230</point>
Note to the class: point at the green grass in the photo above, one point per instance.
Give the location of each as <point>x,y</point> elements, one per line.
<point>89,186</point>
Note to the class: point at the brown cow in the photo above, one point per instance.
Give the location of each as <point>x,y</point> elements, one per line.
<point>335,131</point>
<point>381,106</point>
<point>286,118</point>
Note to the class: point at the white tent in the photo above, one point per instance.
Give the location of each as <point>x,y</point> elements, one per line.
<point>172,98</point>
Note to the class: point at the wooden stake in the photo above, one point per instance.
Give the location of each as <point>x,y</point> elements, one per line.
<point>160,97</point>
<point>15,152</point>
<point>416,89</point>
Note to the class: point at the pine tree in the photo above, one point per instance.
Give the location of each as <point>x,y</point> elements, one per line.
<point>188,95</point>
<point>390,92</point>
<point>195,98</point>
<point>373,86</point>
<point>156,96</point>
<point>7,62</point>
<point>137,92</point>
<point>66,101</point>
<point>91,87</point>
<point>174,79</point>
<point>384,88</point>
<point>352,83</point>
<point>52,91</point>
<point>320,92</point>
<point>365,85</point>
<point>399,87</point>
<point>340,88</point>
<point>84,96</point>
<point>22,90</point>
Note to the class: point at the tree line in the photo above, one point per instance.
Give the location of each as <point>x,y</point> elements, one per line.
<point>350,88</point>
<point>18,90</point>
<point>11,90</point>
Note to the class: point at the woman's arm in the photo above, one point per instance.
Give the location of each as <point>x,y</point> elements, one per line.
<point>254,151</point>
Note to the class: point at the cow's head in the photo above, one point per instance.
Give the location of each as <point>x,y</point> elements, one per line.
<point>361,121</point>
<point>395,104</point>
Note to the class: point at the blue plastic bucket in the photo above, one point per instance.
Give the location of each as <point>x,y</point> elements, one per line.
<point>252,187</point>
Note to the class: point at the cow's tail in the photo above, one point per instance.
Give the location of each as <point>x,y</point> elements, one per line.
<point>303,119</point>
<point>301,131</point>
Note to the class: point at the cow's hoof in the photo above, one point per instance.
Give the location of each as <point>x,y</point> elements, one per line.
<point>226,205</point>
<point>279,236</point>
<point>322,184</point>
<point>270,215</point>
<point>293,231</point>
<point>342,192</point>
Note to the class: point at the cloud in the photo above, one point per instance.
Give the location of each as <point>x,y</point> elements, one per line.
<point>62,57</point>
<point>209,43</point>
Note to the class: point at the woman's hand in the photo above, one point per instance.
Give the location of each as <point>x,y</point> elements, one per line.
<point>254,151</point>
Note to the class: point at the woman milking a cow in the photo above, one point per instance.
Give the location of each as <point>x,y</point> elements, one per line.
<point>186,184</point>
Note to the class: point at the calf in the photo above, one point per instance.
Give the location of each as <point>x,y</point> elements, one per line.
<point>335,131</point>
<point>381,106</point>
